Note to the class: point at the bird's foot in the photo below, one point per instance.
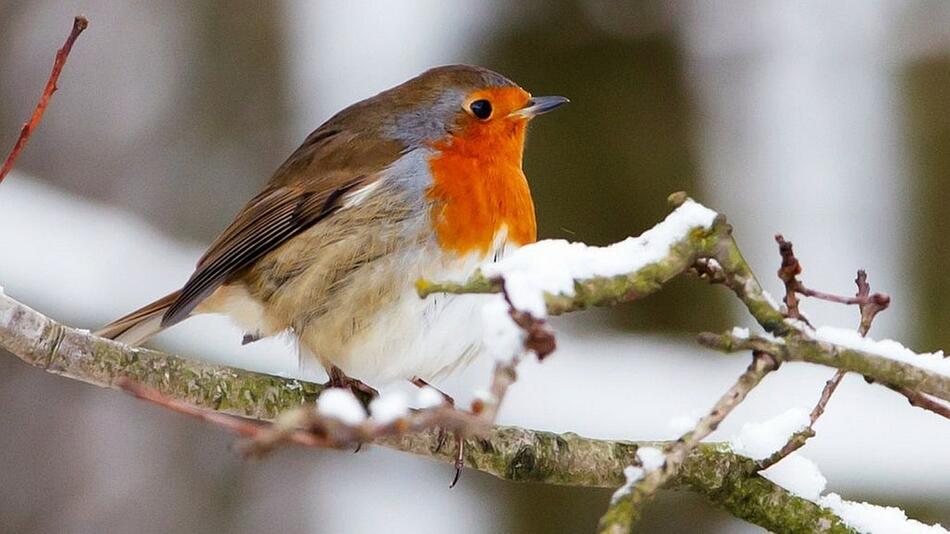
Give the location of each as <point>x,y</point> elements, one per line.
<point>459,440</point>
<point>339,379</point>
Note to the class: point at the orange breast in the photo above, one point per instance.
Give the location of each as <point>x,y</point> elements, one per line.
<point>479,188</point>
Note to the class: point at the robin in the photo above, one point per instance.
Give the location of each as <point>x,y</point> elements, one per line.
<point>423,180</point>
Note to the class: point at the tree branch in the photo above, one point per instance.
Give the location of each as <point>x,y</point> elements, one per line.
<point>715,256</point>
<point>517,454</point>
<point>801,348</point>
<point>79,24</point>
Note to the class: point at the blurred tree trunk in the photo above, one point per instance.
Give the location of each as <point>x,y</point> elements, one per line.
<point>603,170</point>
<point>927,104</point>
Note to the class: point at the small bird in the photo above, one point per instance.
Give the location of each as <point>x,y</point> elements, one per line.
<point>423,180</point>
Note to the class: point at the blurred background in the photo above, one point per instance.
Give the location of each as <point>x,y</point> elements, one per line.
<point>828,122</point>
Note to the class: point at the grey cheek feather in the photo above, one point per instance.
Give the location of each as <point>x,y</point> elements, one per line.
<point>428,121</point>
<point>410,175</point>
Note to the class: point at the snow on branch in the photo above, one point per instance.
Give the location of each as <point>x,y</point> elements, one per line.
<point>693,238</point>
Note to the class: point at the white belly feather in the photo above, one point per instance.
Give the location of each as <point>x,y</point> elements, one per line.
<point>414,337</point>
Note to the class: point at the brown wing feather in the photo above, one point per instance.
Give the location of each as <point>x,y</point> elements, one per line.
<point>305,190</point>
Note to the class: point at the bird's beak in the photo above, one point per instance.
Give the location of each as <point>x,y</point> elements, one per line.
<point>539,105</point>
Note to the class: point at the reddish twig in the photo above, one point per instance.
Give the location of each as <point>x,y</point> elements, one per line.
<point>79,24</point>
<point>307,427</point>
<point>539,338</point>
<point>869,304</point>
<point>872,304</point>
<point>788,273</point>
<point>246,428</point>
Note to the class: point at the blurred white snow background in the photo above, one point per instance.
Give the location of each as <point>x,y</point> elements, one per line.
<point>171,114</point>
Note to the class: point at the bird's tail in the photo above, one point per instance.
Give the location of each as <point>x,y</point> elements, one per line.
<point>136,327</point>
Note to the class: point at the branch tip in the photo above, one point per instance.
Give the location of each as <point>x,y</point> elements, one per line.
<point>80,23</point>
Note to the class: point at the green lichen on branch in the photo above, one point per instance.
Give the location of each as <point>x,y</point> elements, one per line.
<point>753,498</point>
<point>724,478</point>
<point>715,242</point>
<point>797,346</point>
<point>77,354</point>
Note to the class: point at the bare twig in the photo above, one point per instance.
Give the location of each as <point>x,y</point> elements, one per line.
<point>305,426</point>
<point>624,511</point>
<point>798,347</point>
<point>869,304</point>
<point>788,273</point>
<point>79,24</point>
<point>798,439</point>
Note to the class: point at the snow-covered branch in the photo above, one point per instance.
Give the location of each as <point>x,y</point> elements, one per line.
<point>555,277</point>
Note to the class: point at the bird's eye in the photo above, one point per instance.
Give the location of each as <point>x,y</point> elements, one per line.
<point>481,109</point>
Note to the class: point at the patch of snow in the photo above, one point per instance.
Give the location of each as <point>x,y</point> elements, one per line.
<point>887,348</point>
<point>801,477</point>
<point>525,293</point>
<point>340,404</point>
<point>552,265</point>
<point>760,440</point>
<point>873,519</point>
<point>769,337</point>
<point>633,475</point>
<point>739,332</point>
<point>428,397</point>
<point>798,324</point>
<point>389,407</point>
<point>798,475</point>
<point>651,458</point>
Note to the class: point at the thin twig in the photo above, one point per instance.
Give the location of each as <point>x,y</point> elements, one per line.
<point>798,439</point>
<point>79,24</point>
<point>873,304</point>
<point>869,305</point>
<point>304,426</point>
<point>624,511</point>
<point>788,273</point>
